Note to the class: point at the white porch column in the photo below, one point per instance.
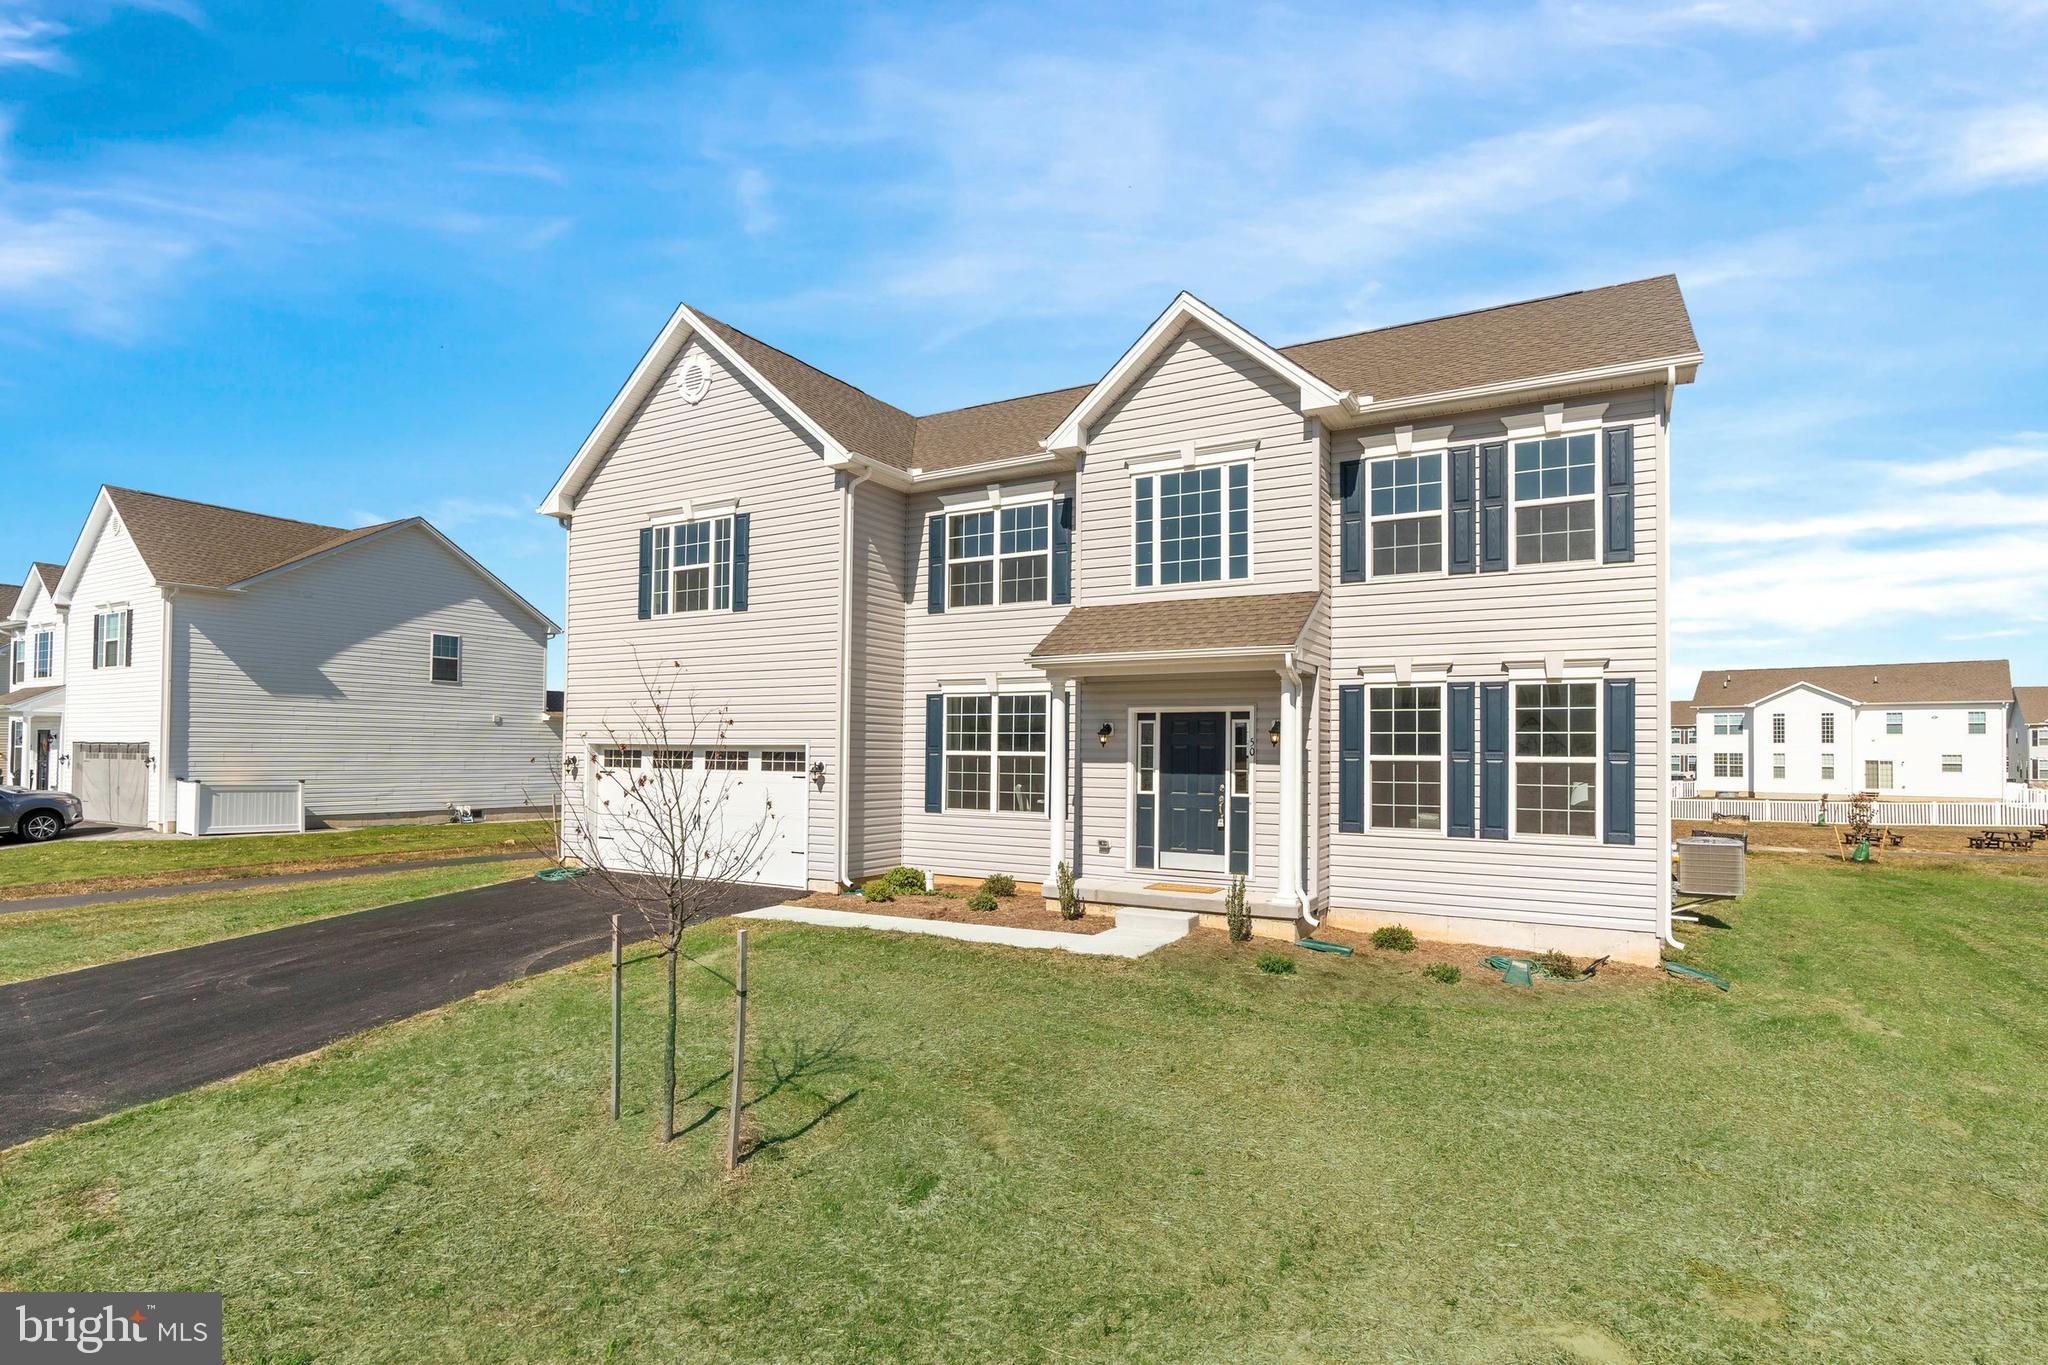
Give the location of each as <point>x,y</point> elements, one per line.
<point>1061,743</point>
<point>1292,826</point>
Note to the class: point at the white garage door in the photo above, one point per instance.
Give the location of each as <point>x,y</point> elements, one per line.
<point>739,814</point>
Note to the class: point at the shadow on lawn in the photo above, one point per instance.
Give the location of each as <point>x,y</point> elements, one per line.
<point>796,1067</point>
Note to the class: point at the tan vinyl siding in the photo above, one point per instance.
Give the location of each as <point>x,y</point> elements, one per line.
<point>1201,389</point>
<point>1476,624</point>
<point>116,705</point>
<point>320,673</point>
<point>882,590</point>
<point>961,643</point>
<point>773,669</point>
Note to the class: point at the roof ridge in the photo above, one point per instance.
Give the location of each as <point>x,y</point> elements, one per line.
<point>1474,312</point>
<point>1811,668</point>
<point>799,360</point>
<point>222,507</point>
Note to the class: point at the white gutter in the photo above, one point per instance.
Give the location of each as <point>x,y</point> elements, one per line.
<point>842,813</point>
<point>1666,891</point>
<point>165,798</point>
<point>1663,368</point>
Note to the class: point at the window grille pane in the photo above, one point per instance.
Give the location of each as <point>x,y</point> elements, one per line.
<point>1027,579</point>
<point>1240,756</point>
<point>726,760</point>
<point>1554,798</point>
<point>967,784</point>
<point>1554,533</point>
<point>971,536</point>
<point>1191,526</point>
<point>1021,724</point>
<point>673,760</point>
<point>782,760</point>
<point>969,722</point>
<point>1147,732</point>
<point>972,584</point>
<point>1415,545</point>
<point>1021,783</point>
<point>1027,529</point>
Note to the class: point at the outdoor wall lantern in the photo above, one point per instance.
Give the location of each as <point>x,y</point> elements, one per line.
<point>1102,735</point>
<point>569,765</point>
<point>818,774</point>
<point>1274,734</point>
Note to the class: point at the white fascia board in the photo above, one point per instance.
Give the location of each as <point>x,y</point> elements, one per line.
<point>1314,396</point>
<point>680,327</point>
<point>1809,687</point>
<point>88,538</point>
<point>1673,369</point>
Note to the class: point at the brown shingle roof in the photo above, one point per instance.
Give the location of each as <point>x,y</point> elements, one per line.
<point>200,544</point>
<point>23,694</point>
<point>2033,704</point>
<point>1265,621</point>
<point>49,573</point>
<point>1870,684</point>
<point>10,593</point>
<point>1614,325</point>
<point>1682,713</point>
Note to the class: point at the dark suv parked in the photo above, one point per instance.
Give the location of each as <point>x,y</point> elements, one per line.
<point>37,816</point>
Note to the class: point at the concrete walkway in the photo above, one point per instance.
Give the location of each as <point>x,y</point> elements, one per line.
<point>150,893</point>
<point>1137,932</point>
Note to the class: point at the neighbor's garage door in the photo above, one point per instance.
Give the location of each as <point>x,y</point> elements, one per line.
<point>741,814</point>
<point>112,780</point>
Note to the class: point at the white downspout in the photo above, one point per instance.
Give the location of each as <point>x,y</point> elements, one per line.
<point>1294,799</point>
<point>166,793</point>
<point>844,802</point>
<point>1663,727</point>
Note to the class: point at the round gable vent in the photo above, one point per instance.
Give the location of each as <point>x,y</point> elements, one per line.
<point>694,381</point>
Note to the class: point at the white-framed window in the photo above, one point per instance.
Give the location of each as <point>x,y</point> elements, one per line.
<point>1728,765</point>
<point>45,653</point>
<point>1406,513</point>
<point>1895,722</point>
<point>110,639</point>
<point>17,666</point>
<point>1685,767</point>
<point>999,554</point>
<point>446,662</point>
<point>692,567</point>
<point>1240,753</point>
<point>1406,731</point>
<point>2041,770</point>
<point>1827,767</point>
<point>1778,767</point>
<point>619,758</point>
<point>1148,750</point>
<point>782,760</point>
<point>1977,722</point>
<point>1827,727</point>
<point>996,752</point>
<point>2041,736</point>
<point>1555,517</point>
<point>672,760</point>
<point>725,760</point>
<point>1557,746</point>
<point>1777,727</point>
<point>1728,724</point>
<point>1192,525</point>
<point>1877,774</point>
<point>1951,763</point>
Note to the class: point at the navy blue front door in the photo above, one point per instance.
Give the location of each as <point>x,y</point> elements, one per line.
<point>1191,771</point>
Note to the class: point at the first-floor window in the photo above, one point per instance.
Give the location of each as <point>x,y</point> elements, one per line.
<point>1556,758</point>
<point>1951,763</point>
<point>2041,770</point>
<point>1727,765</point>
<point>1407,757</point>
<point>996,751</point>
<point>1877,774</point>
<point>1685,767</point>
<point>1778,766</point>
<point>447,662</point>
<point>1827,767</point>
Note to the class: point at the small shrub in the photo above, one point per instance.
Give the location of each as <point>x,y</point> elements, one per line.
<point>878,891</point>
<point>1234,914</point>
<point>1558,965</point>
<point>904,881</point>
<point>1279,964</point>
<point>1442,971</point>
<point>1395,938</point>
<point>1070,899</point>
<point>999,884</point>
<point>982,901</point>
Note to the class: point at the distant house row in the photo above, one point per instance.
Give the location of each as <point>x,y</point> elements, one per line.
<point>1955,730</point>
<point>381,666</point>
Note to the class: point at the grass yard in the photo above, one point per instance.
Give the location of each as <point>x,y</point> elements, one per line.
<point>974,1153</point>
<point>67,866</point>
<point>42,942</point>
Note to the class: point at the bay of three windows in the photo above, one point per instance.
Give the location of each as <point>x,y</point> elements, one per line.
<point>1554,757</point>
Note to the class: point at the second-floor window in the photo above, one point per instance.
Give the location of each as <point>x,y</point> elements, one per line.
<point>46,653</point>
<point>2041,736</point>
<point>1407,515</point>
<point>999,555</point>
<point>1895,722</point>
<point>1827,728</point>
<point>1977,719</point>
<point>1192,526</point>
<point>110,642</point>
<point>17,662</point>
<point>1728,725</point>
<point>693,566</point>
<point>1778,727</point>
<point>446,664</point>
<point>1554,497</point>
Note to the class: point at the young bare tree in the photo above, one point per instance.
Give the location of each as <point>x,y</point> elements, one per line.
<point>652,824</point>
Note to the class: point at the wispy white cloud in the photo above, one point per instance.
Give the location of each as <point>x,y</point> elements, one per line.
<point>2030,449</point>
<point>26,40</point>
<point>2007,145</point>
<point>445,20</point>
<point>752,192</point>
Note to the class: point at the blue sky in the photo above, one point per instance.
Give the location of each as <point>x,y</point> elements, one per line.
<point>352,262</point>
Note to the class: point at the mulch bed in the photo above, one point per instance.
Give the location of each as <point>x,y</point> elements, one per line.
<point>1012,912</point>
<point>1470,958</point>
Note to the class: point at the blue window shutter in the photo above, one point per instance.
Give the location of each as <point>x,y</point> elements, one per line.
<point>1458,792</point>
<point>646,572</point>
<point>935,568</point>
<point>1143,530</point>
<point>97,618</point>
<point>1351,760</point>
<point>1240,519</point>
<point>1620,501</point>
<point>1493,760</point>
<point>739,561</point>
<point>127,637</point>
<point>1464,509</point>
<point>1493,507</point>
<point>1063,551</point>
<point>1621,761</point>
<point>1351,521</point>
<point>934,751</point>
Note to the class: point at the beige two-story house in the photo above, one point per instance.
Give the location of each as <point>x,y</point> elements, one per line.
<point>1376,623</point>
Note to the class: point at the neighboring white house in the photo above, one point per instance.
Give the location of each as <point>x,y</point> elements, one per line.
<point>1376,622</point>
<point>1685,745</point>
<point>32,698</point>
<point>2033,750</point>
<point>383,667</point>
<point>1919,730</point>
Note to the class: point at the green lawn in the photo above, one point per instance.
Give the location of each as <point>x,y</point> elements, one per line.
<point>970,1153</point>
<point>40,942</point>
<point>67,865</point>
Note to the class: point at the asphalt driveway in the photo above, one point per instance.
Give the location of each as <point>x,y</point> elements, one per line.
<point>76,1046</point>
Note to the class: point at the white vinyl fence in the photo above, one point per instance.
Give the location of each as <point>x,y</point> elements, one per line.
<point>1973,814</point>
<point>241,807</point>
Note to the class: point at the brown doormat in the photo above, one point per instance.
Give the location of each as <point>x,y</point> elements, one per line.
<point>1180,886</point>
